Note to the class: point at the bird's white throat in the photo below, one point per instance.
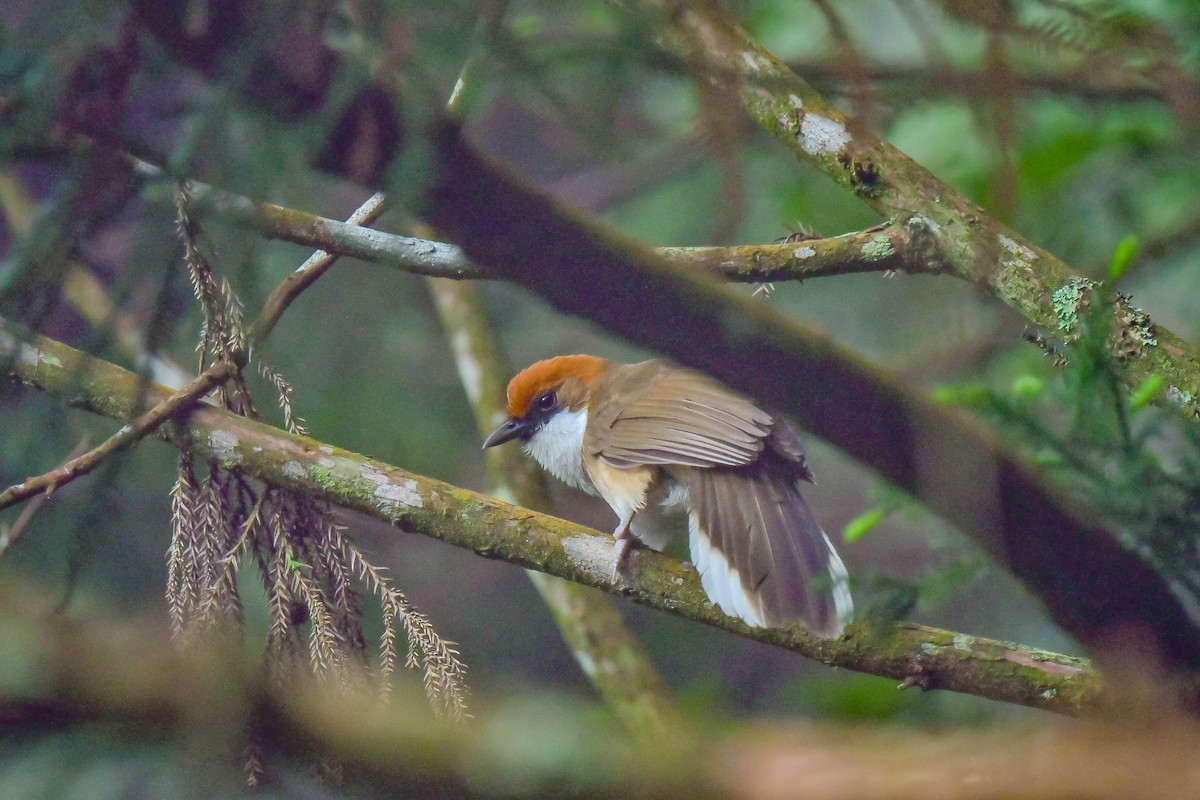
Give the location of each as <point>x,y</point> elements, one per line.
<point>558,447</point>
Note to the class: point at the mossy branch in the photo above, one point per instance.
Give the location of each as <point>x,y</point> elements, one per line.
<point>959,236</point>
<point>931,658</point>
<point>1089,581</point>
<point>882,248</point>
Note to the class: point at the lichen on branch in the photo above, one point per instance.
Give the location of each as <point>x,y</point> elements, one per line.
<point>918,655</point>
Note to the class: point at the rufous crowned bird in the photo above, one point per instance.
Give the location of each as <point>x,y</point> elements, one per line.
<point>652,439</point>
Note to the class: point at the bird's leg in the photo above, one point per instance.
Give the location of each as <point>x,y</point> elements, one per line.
<point>624,539</point>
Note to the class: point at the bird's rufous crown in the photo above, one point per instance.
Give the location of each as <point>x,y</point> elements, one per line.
<point>549,375</point>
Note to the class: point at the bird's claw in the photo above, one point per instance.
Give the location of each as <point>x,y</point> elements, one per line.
<point>620,549</point>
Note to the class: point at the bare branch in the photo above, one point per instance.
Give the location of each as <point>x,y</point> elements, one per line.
<point>11,533</point>
<point>308,273</point>
<point>126,436</point>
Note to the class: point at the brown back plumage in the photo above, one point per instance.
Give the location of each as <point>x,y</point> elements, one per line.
<point>653,413</point>
<point>760,551</point>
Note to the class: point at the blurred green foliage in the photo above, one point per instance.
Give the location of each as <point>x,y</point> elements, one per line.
<point>1098,138</point>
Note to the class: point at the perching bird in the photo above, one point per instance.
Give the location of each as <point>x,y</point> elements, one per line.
<point>651,438</point>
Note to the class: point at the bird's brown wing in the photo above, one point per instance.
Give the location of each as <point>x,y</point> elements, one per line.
<point>669,415</point>
<point>761,554</point>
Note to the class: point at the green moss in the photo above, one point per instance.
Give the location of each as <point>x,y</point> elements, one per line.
<point>324,477</point>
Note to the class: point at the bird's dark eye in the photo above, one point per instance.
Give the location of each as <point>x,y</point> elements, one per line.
<point>547,401</point>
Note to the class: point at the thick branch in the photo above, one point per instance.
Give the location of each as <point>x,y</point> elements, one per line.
<point>1088,580</point>
<point>969,243</point>
<point>932,658</point>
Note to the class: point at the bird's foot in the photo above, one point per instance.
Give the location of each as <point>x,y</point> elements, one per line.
<point>620,550</point>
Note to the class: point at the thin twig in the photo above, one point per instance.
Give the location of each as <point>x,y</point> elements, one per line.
<point>276,304</point>
<point>889,248</point>
<point>308,273</point>
<point>126,436</point>
<point>11,533</point>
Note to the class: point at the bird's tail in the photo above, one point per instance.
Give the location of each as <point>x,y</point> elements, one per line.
<point>761,554</point>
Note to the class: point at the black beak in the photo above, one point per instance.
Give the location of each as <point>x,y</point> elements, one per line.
<point>511,429</point>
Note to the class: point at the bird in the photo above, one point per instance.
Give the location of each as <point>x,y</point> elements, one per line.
<point>656,441</point>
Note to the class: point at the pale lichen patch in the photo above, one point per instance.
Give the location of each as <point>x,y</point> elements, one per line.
<point>592,555</point>
<point>757,63</point>
<point>293,469</point>
<point>11,347</point>
<point>804,252</point>
<point>1068,299</point>
<point>920,222</point>
<point>585,661</point>
<point>1015,247</point>
<point>402,492</point>
<point>224,446</point>
<point>821,135</point>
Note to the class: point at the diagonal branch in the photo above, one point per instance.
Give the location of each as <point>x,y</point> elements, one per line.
<point>128,435</point>
<point>214,376</point>
<point>968,243</point>
<point>309,272</point>
<point>591,626</point>
<point>932,658</point>
<point>1090,583</point>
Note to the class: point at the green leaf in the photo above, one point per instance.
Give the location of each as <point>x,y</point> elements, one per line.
<point>1123,255</point>
<point>1027,385</point>
<point>967,394</point>
<point>858,526</point>
<point>1146,391</point>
